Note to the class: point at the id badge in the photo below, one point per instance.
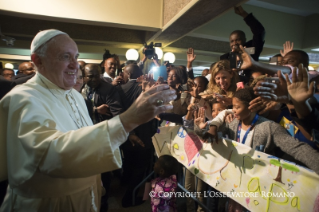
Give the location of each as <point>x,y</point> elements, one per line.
<point>291,129</point>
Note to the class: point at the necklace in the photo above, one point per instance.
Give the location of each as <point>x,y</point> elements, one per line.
<point>76,105</point>
<point>80,114</point>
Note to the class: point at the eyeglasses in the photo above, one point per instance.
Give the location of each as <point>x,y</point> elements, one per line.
<point>68,57</point>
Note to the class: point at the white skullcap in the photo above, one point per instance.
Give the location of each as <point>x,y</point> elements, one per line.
<point>43,37</point>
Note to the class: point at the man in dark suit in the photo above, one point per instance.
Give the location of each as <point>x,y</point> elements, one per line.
<point>138,150</point>
<point>103,102</point>
<point>5,86</point>
<point>238,37</point>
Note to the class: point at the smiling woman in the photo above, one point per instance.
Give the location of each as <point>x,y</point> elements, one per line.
<point>223,80</point>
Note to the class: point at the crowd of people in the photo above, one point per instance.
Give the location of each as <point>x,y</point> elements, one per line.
<point>68,126</point>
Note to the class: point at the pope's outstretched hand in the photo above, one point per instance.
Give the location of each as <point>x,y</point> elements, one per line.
<point>148,105</point>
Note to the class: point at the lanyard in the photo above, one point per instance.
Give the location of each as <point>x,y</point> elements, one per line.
<point>239,129</point>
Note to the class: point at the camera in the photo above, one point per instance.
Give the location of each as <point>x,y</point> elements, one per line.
<point>149,50</point>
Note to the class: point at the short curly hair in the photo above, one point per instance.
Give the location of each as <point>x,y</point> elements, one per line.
<point>180,73</point>
<point>245,95</point>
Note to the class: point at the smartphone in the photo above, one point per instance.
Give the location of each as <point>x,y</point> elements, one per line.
<point>219,96</point>
<point>182,87</point>
<point>315,136</point>
<point>272,79</point>
<point>233,60</point>
<point>250,50</point>
<point>159,72</point>
<point>240,85</point>
<point>273,61</point>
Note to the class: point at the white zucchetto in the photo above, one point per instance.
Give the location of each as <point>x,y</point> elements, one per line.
<point>43,37</point>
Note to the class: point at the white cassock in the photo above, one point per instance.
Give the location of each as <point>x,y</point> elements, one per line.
<point>50,163</point>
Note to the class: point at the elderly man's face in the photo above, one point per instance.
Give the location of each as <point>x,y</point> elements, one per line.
<point>60,64</point>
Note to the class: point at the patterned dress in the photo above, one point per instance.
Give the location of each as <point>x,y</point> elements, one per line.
<point>163,191</point>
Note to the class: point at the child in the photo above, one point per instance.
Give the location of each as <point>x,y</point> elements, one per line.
<point>257,132</point>
<point>217,107</point>
<point>163,187</point>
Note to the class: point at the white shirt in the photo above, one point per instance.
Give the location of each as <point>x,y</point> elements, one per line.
<point>51,163</point>
<point>108,76</point>
<point>249,137</point>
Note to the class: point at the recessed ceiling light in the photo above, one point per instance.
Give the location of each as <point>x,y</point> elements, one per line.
<point>317,50</point>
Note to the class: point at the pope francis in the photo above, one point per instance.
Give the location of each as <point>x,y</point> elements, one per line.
<point>50,151</point>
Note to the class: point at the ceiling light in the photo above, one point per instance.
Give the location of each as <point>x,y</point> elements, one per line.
<point>9,66</point>
<point>131,54</point>
<point>316,50</point>
<point>170,57</point>
<point>159,52</point>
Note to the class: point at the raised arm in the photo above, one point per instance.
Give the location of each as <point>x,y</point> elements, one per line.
<point>256,28</point>
<point>190,59</point>
<point>249,63</point>
<point>293,147</point>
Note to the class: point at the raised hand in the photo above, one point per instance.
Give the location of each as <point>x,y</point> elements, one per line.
<point>103,109</point>
<point>147,106</point>
<point>247,62</point>
<point>190,55</point>
<point>299,89</point>
<point>192,107</point>
<point>262,105</point>
<point>160,81</point>
<point>147,81</point>
<point>119,80</point>
<point>240,11</point>
<point>287,48</point>
<point>270,91</point>
<point>199,118</point>
<point>223,99</point>
<point>155,60</point>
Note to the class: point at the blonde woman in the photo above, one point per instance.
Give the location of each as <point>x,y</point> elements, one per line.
<point>222,84</point>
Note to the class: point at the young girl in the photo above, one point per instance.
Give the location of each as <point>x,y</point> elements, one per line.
<point>217,107</point>
<point>257,132</point>
<point>163,187</point>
